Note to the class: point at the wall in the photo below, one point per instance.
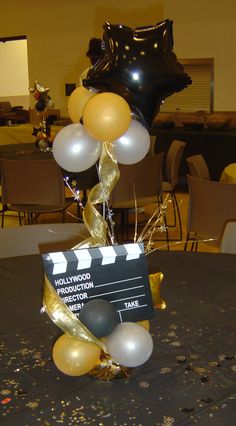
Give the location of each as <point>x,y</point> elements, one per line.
<point>58,33</point>
<point>206,29</point>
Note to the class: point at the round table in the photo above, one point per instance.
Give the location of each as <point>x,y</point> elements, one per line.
<point>229,174</point>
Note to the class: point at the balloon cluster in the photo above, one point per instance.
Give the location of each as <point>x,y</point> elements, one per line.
<point>128,344</point>
<point>106,117</point>
<point>43,102</point>
<point>41,96</point>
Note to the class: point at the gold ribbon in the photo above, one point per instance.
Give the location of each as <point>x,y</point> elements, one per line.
<point>108,177</point>
<point>64,318</point>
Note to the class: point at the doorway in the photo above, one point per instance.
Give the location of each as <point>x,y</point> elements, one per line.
<point>14,76</point>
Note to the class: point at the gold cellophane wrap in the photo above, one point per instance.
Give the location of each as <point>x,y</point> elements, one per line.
<point>99,194</point>
<point>106,369</point>
<point>155,283</point>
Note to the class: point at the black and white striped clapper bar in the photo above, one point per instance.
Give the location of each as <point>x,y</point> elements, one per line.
<point>117,274</point>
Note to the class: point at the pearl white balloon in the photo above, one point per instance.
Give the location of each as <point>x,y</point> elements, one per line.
<point>133,145</point>
<point>130,344</point>
<point>74,150</point>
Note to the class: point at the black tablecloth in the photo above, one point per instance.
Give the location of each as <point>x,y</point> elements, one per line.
<point>190,377</point>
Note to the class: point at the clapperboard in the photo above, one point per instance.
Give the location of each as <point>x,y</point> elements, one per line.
<point>117,274</point>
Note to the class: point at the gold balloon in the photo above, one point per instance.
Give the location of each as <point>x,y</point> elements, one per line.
<point>145,324</point>
<point>106,116</point>
<point>77,101</point>
<point>155,282</point>
<point>74,357</point>
<point>83,75</point>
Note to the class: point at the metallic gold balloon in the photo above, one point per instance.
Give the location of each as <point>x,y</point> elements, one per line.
<point>145,324</point>
<point>155,282</point>
<point>74,357</point>
<point>83,75</point>
<point>77,101</point>
<point>106,116</point>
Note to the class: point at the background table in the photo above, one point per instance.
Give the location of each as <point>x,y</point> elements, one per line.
<point>190,377</point>
<point>29,151</point>
<point>22,133</point>
<point>218,147</point>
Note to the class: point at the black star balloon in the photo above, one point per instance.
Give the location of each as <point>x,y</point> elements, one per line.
<point>140,65</point>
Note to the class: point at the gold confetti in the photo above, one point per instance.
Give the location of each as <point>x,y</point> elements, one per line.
<point>32,404</point>
<point>5,392</point>
<point>165,370</point>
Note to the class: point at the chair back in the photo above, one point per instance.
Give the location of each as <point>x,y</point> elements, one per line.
<point>141,182</point>
<point>211,205</point>
<point>228,239</point>
<point>198,167</point>
<point>173,160</point>
<point>41,238</point>
<point>32,182</point>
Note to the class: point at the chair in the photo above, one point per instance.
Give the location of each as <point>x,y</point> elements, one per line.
<point>139,185</point>
<point>198,167</point>
<point>228,239</point>
<point>173,160</point>
<point>32,187</point>
<point>211,205</point>
<point>40,238</point>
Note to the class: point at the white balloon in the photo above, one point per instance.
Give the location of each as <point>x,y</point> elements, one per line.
<point>49,104</point>
<point>74,150</point>
<point>130,344</point>
<point>133,145</point>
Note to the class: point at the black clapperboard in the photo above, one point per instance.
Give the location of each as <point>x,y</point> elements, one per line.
<point>117,274</point>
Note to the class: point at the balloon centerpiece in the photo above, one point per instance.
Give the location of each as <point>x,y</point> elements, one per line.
<point>111,113</point>
<point>43,102</point>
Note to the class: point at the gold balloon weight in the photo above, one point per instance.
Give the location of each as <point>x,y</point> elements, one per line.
<point>107,369</point>
<point>155,283</point>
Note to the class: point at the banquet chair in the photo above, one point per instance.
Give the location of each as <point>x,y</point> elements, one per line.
<point>211,205</point>
<point>32,187</point>
<point>139,185</point>
<point>172,165</point>
<point>198,167</point>
<point>228,239</point>
<point>40,238</point>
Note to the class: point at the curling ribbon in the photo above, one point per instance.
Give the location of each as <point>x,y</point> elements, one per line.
<point>64,318</point>
<point>108,177</point>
